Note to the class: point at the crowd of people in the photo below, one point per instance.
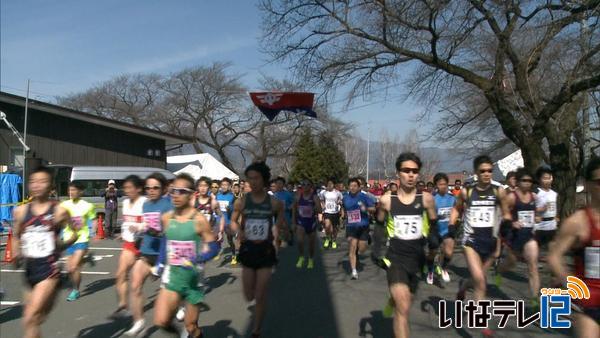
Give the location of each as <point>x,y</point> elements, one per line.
<point>169,230</point>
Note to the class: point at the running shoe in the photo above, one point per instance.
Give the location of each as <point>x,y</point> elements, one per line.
<point>354,275</point>
<point>438,270</point>
<point>388,309</point>
<point>137,327</point>
<point>90,259</point>
<point>333,245</point>
<point>445,276</point>
<point>233,260</point>
<point>311,264</point>
<point>430,278</point>
<point>73,296</point>
<point>180,314</point>
<point>300,262</point>
<point>326,243</point>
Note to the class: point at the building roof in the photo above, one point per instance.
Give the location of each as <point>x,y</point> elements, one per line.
<point>170,139</point>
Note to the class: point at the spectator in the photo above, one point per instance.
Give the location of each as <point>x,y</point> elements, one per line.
<point>111,206</point>
<point>457,187</point>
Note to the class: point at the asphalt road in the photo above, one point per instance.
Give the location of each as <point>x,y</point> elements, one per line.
<point>323,302</point>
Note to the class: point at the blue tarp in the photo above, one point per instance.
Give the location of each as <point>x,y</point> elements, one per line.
<point>9,194</point>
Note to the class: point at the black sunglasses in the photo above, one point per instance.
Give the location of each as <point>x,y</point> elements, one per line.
<point>483,171</point>
<point>409,170</point>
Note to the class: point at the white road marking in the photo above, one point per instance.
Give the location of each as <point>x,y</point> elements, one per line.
<point>82,272</point>
<point>100,248</point>
<point>96,257</point>
<point>5,302</point>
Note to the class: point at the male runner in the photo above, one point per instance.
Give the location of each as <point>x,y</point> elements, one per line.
<point>546,200</point>
<point>225,199</point>
<point>287,198</point>
<point>82,213</point>
<point>580,233</point>
<point>331,203</point>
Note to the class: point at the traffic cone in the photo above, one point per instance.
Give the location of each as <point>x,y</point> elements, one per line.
<point>8,249</point>
<point>100,228</point>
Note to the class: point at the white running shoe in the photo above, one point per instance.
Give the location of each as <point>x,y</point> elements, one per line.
<point>180,314</point>
<point>354,274</point>
<point>430,278</point>
<point>136,328</point>
<point>445,276</point>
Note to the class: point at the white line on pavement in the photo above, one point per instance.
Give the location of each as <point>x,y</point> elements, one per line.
<point>82,272</point>
<point>100,248</point>
<point>4,302</point>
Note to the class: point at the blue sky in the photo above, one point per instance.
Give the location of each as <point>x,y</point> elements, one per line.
<point>67,46</point>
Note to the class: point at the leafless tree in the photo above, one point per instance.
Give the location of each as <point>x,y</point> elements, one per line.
<point>527,61</point>
<point>431,162</point>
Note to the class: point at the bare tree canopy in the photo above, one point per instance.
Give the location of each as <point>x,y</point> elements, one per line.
<point>525,63</point>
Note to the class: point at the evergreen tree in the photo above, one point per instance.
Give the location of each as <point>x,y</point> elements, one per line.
<point>318,161</point>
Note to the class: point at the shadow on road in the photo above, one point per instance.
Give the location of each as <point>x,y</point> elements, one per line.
<point>377,324</point>
<point>11,313</point>
<point>98,285</point>
<point>214,282</point>
<point>299,301</point>
<point>221,328</point>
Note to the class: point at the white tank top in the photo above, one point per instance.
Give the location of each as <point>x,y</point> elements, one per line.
<point>132,216</point>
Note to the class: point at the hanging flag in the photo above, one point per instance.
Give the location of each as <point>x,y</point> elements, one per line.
<point>272,103</point>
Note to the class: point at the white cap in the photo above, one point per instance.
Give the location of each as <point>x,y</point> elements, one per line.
<point>111,182</point>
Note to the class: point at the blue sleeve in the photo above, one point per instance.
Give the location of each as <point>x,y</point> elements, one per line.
<point>213,249</point>
<point>370,202</point>
<point>162,252</point>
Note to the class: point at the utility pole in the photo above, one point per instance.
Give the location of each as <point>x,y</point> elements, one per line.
<point>25,148</point>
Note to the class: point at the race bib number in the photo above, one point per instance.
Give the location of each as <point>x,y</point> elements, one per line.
<point>482,217</point>
<point>331,206</point>
<point>305,211</point>
<point>181,252</point>
<point>592,262</point>
<point>354,216</point>
<point>152,220</point>
<point>223,205</point>
<point>76,222</point>
<point>38,244</point>
<point>408,227</point>
<point>550,209</point>
<point>444,213</point>
<point>527,218</point>
<point>256,229</point>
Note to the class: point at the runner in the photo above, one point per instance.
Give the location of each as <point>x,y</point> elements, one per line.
<point>357,206</point>
<point>154,207</point>
<point>546,203</point>
<point>214,187</point>
<point>305,210</point>
<point>189,240</point>
<point>444,201</point>
<point>393,188</point>
<point>225,199</point>
<point>133,223</point>
<point>237,191</point>
<point>580,233</point>
<point>208,205</point>
<point>82,213</point>
<point>511,181</point>
<point>37,246</point>
<point>411,217</point>
<point>331,203</point>
<point>479,204</point>
<point>520,239</point>
<point>287,198</point>
<point>457,188</point>
<point>257,232</point>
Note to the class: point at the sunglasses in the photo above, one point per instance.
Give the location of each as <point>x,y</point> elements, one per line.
<point>154,187</point>
<point>409,170</point>
<point>489,171</point>
<point>214,187</point>
<point>180,191</point>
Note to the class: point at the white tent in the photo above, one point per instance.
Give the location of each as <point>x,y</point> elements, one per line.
<point>198,165</point>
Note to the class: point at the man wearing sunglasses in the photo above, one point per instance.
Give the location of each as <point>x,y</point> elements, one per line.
<point>479,204</point>
<point>580,234</point>
<point>519,239</point>
<point>411,217</point>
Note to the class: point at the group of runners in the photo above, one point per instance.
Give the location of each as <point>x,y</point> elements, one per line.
<point>171,229</point>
